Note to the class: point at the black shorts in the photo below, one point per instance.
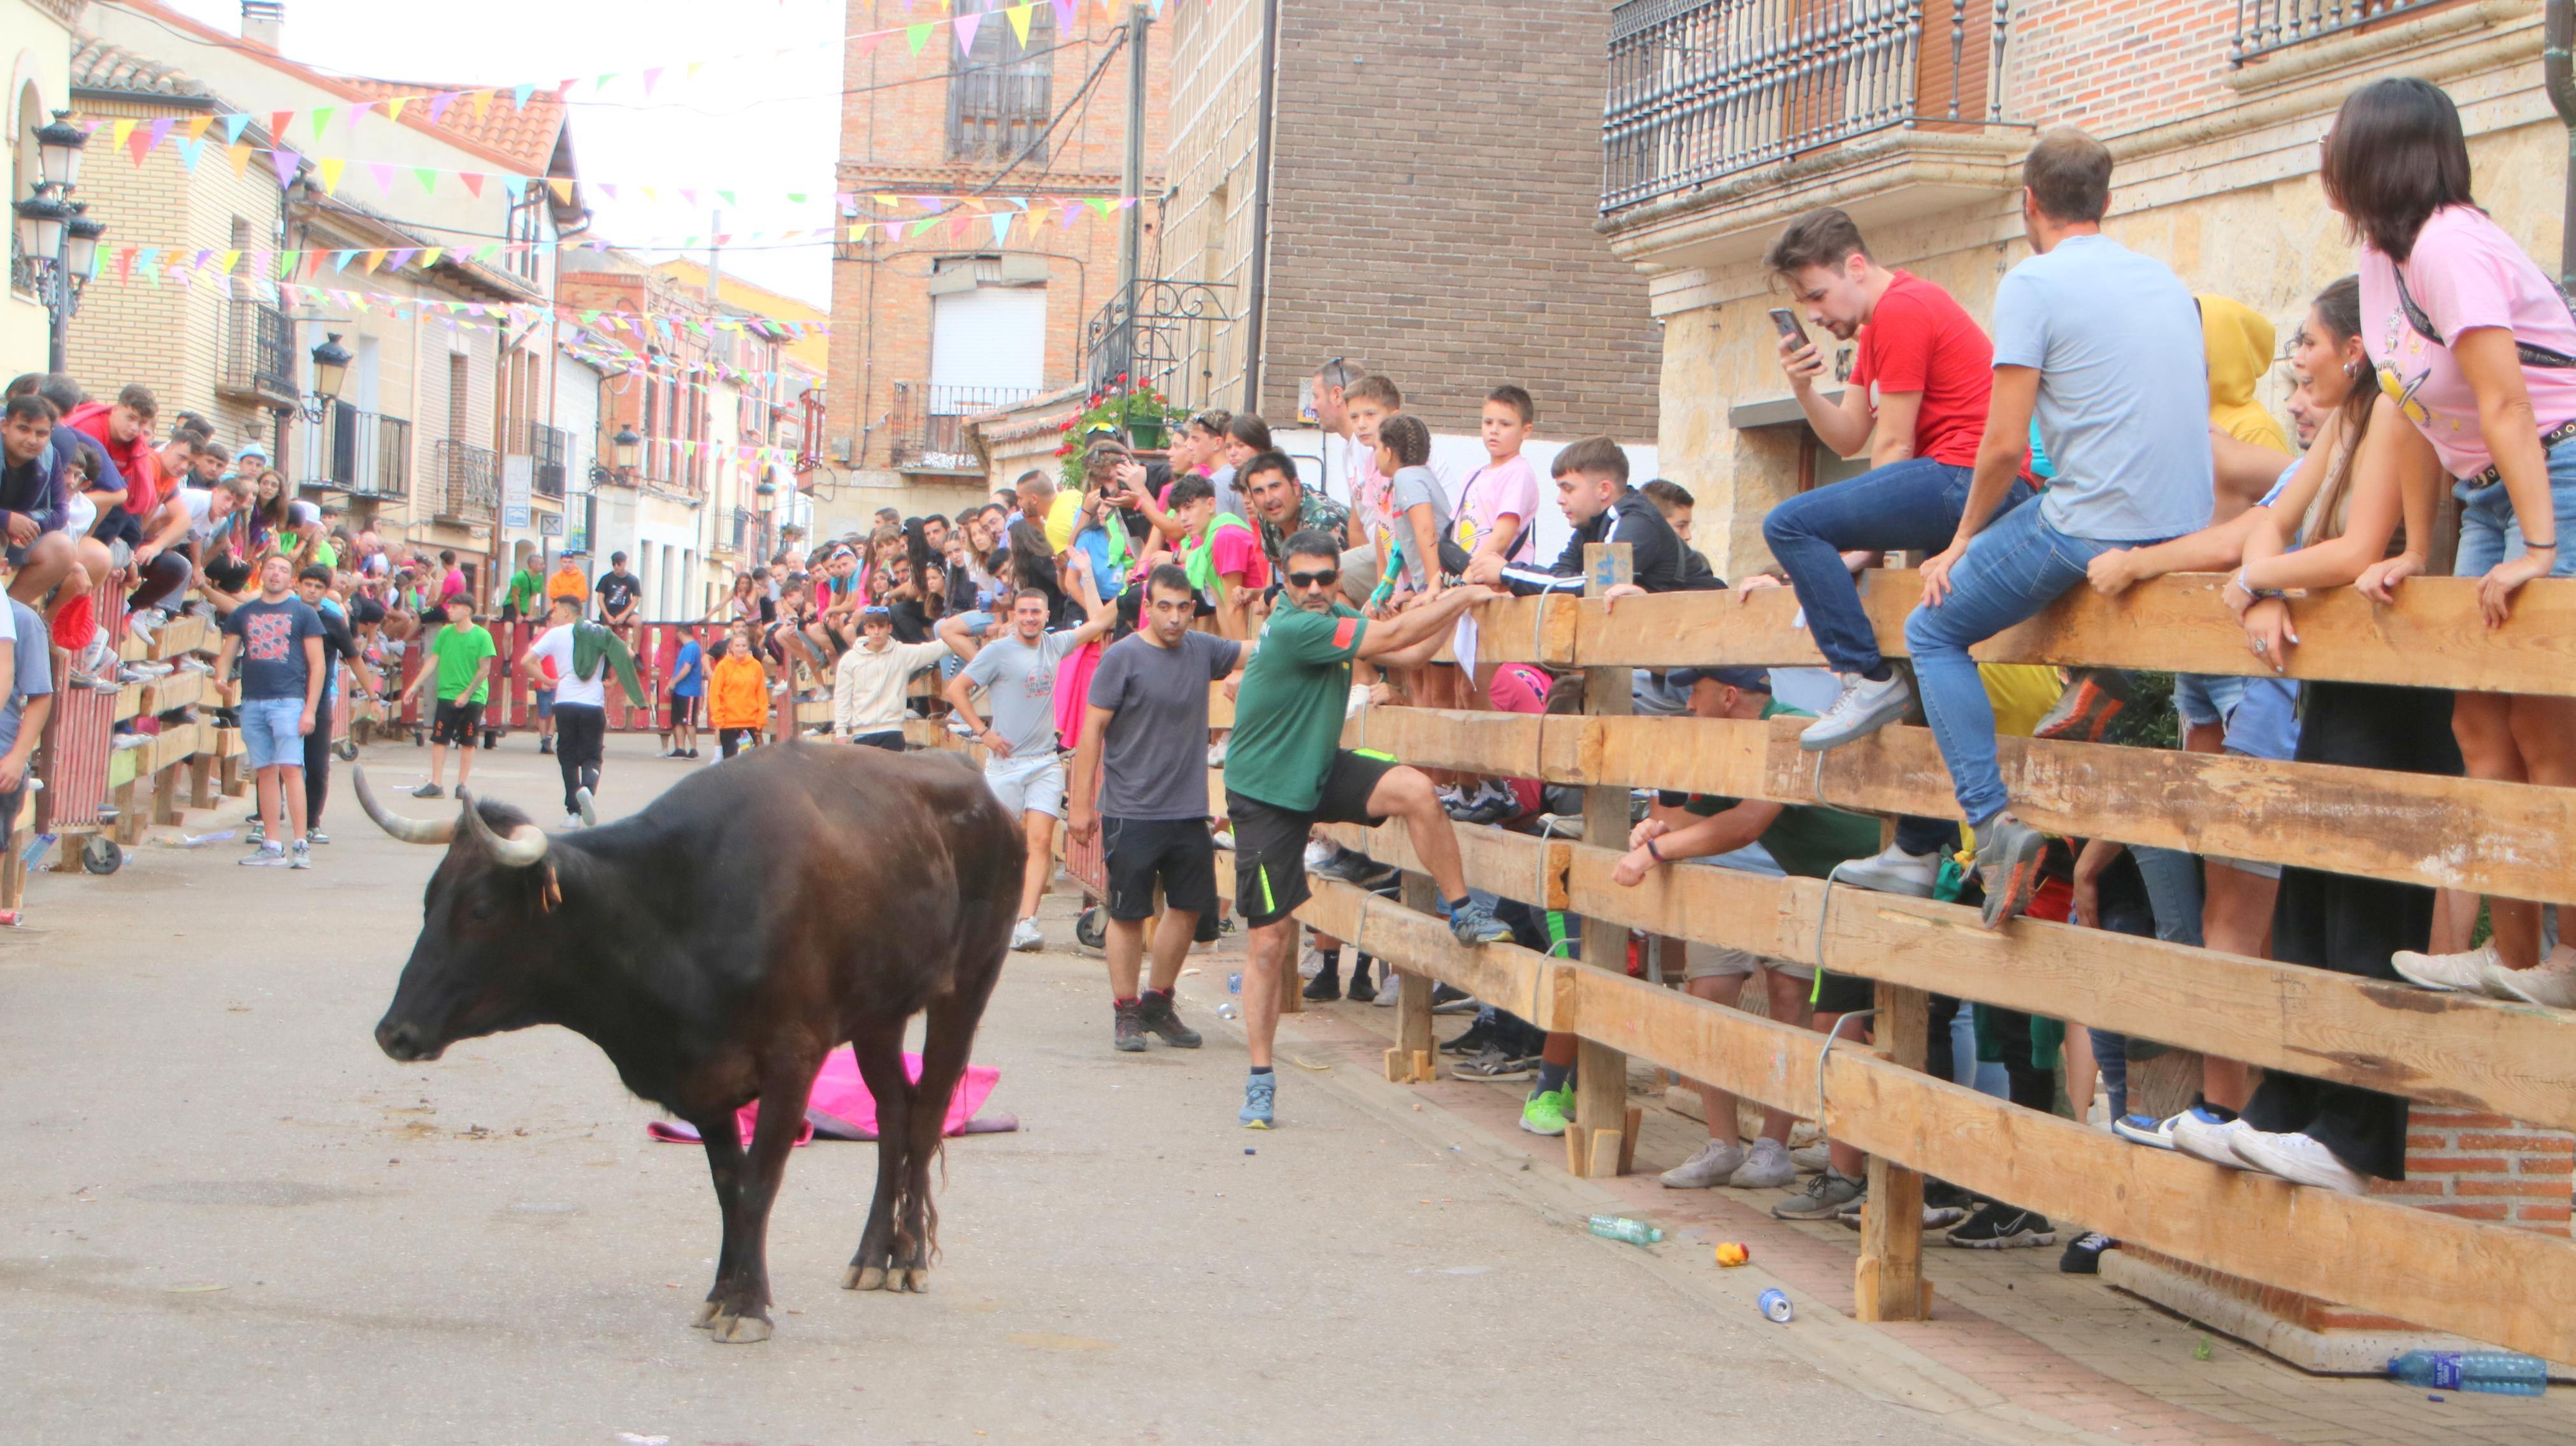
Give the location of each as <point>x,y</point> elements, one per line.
<point>683,709</point>
<point>1270,841</point>
<point>363,610</point>
<point>1843,993</point>
<point>1177,853</point>
<point>456,722</point>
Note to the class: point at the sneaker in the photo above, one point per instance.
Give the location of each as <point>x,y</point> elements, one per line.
<point>2084,1255</point>
<point>266,856</point>
<point>1471,1042</point>
<point>545,745</point>
<point>1812,1159</point>
<point>316,837</point>
<point>1494,1062</point>
<point>1473,924</point>
<point>196,665</point>
<point>1311,963</point>
<point>1361,991</point>
<point>1560,825</point>
<point>1824,1198</point>
<point>299,855</point>
<point>1863,709</point>
<point>1891,871</point>
<point>1387,992</point>
<point>2003,1227</point>
<point>1345,865</point>
<point>1449,999</point>
<point>143,624</point>
<point>2008,855</point>
<point>124,741</point>
<point>2299,1159</point>
<point>81,678</point>
<point>2146,1130</point>
<point>1259,1093</point>
<point>1766,1167</point>
<point>429,790</point>
<point>1160,1019</point>
<point>1129,1035</point>
<point>1025,936</point>
<point>2085,710</point>
<point>2465,973</point>
<point>1714,1163</point>
<point>692,753</point>
<point>1935,1217</point>
<point>2202,1133</point>
<point>98,657</point>
<point>258,834</point>
<point>1323,988</point>
<point>1216,753</point>
<point>572,821</point>
<point>1548,1111</point>
<point>2552,982</point>
<point>1224,838</point>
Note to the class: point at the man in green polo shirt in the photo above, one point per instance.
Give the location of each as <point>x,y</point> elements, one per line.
<point>1285,771</point>
<point>524,601</point>
<point>459,656</point>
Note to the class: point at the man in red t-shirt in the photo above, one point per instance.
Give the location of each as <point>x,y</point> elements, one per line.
<point>1916,407</point>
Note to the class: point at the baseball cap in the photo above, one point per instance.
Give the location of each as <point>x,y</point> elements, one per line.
<point>1750,680</point>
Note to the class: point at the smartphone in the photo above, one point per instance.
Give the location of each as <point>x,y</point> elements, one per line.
<point>1786,322</point>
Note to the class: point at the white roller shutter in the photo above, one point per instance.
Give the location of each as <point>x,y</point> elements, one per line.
<point>990,337</point>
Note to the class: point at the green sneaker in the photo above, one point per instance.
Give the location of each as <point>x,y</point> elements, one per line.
<point>1546,1113</point>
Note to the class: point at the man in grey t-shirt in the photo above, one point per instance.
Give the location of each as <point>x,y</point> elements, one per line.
<point>28,671</point>
<point>1017,675</point>
<point>1147,718</point>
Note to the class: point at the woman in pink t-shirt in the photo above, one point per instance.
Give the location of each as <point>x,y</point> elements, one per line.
<point>2478,349</point>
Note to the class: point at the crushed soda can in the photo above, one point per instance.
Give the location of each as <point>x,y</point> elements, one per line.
<point>1775,1305</point>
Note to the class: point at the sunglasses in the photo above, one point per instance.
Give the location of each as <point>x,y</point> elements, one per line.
<point>1326,578</point>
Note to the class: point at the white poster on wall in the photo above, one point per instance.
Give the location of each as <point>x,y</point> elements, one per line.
<point>518,478</point>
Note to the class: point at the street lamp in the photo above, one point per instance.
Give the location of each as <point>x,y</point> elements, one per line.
<point>57,240</point>
<point>330,369</point>
<point>625,443</point>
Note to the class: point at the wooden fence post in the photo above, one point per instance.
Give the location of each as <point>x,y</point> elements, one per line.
<point>1887,1280</point>
<point>1410,1061</point>
<point>1603,1131</point>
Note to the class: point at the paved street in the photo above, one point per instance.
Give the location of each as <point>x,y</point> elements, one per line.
<point>229,1218</point>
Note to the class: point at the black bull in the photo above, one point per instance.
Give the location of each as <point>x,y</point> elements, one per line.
<point>718,945</point>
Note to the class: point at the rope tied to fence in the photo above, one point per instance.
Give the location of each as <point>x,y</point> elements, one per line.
<point>1831,1036</point>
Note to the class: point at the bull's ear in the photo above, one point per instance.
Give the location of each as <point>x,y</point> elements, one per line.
<point>549,892</point>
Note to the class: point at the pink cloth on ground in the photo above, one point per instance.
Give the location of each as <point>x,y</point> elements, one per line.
<point>840,1091</point>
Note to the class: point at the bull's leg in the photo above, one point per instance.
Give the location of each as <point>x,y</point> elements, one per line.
<point>743,1314</point>
<point>724,1162</point>
<point>879,1047</point>
<point>948,1037</point>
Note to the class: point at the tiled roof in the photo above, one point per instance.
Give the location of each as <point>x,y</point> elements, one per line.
<point>526,133</point>
<point>98,65</point>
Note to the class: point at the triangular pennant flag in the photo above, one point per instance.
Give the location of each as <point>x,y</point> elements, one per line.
<point>189,152</point>
<point>321,118</point>
<point>922,226</point>
<point>428,178</point>
<point>1000,221</point>
<point>384,174</point>
<point>697,65</point>
<point>240,155</point>
<point>932,204</point>
<point>866,42</point>
<point>118,133</point>
<point>1019,16</point>
<point>652,77</point>
<point>402,258</point>
<point>957,225</point>
<point>231,260</point>
<point>725,196</point>
<point>1124,202</point>
<point>429,258</point>
<point>1070,211</point>
<point>651,193</point>
<point>966,26</point>
<point>438,105</point>
<point>139,145</point>
<point>331,174</point>
<point>284,163</point>
<point>394,106</point>
<point>149,259</point>
<point>605,77</point>
<point>605,188</point>
<point>1108,10</point>
<point>473,182</point>
<point>914,35</point>
<point>690,196</point>
<point>794,198</point>
<point>278,121</point>
<point>233,127</point>
<point>519,96</point>
<point>562,187</point>
<point>197,127</point>
<point>340,259</point>
<point>1100,204</point>
<point>482,100</point>
<point>515,185</point>
<point>370,261</point>
<point>1065,16</point>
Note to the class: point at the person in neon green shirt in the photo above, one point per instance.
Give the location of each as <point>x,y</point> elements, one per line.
<point>460,658</point>
<point>1221,554</point>
<point>525,588</point>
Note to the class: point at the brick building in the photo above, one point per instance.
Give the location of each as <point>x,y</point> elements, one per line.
<point>940,324</point>
<point>1435,174</point>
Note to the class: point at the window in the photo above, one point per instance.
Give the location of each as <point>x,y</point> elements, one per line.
<point>999,91</point>
<point>24,171</point>
<point>522,228</point>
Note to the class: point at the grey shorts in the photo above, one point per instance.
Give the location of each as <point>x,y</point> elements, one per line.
<point>1028,785</point>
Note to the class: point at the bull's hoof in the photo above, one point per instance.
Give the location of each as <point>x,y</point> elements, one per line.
<point>917,1280</point>
<point>738,1330</point>
<point>706,1315</point>
<point>863,1277</point>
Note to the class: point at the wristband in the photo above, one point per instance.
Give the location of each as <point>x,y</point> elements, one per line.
<point>1656,853</point>
<point>2530,546</point>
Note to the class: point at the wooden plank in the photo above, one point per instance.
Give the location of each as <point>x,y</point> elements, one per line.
<point>1414,1039</point>
<point>2513,839</point>
<point>2432,638</point>
<point>2487,1055</point>
<point>1506,744</point>
<point>201,779</point>
<point>1888,1281</point>
<point>1513,865</point>
<point>1600,1072</point>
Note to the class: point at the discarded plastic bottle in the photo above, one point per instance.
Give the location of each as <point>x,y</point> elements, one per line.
<point>1234,983</point>
<point>2500,1373</point>
<point>1620,1227</point>
<point>1226,1011</point>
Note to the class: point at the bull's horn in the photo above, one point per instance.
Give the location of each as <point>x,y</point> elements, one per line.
<point>518,851</point>
<point>409,830</point>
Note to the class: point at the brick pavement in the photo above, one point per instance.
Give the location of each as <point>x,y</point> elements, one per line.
<point>2058,1350</point>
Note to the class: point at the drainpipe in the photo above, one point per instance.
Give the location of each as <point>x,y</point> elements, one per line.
<point>1257,271</point>
<point>2558,40</point>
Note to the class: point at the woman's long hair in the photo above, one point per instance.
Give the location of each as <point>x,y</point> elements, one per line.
<point>2339,307</point>
<point>1032,560</point>
<point>2395,156</point>
<point>929,569</point>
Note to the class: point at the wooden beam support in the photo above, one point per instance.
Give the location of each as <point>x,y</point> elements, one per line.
<point>1414,1040</point>
<point>1887,1280</point>
<point>1600,1072</point>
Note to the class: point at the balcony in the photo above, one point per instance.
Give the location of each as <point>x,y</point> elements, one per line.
<point>548,446</point>
<point>927,432</point>
<point>363,454</point>
<point>2264,26</point>
<point>1727,117</point>
<point>464,482</point>
<point>258,363</point>
<point>738,537</point>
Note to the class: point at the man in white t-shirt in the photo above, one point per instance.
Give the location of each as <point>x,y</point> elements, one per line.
<point>581,704</point>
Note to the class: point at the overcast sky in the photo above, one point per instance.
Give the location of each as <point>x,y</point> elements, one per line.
<point>760,126</point>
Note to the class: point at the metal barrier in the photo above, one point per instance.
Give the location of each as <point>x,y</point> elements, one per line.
<point>75,804</point>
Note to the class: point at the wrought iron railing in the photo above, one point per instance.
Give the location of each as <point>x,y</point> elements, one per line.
<point>361,453</point>
<point>928,428</point>
<point>1154,335</point>
<point>464,480</point>
<point>548,446</point>
<point>257,358</point>
<point>2263,26</point>
<point>1703,89</point>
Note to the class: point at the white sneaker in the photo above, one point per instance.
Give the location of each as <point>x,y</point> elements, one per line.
<point>571,821</point>
<point>2552,983</point>
<point>2297,1159</point>
<point>1311,964</point>
<point>1387,990</point>
<point>1711,1164</point>
<point>1813,1159</point>
<point>2205,1137</point>
<point>1863,709</point>
<point>1765,1167</point>
<point>1216,752</point>
<point>1891,871</point>
<point>1025,936</point>
<point>266,856</point>
<point>2469,973</point>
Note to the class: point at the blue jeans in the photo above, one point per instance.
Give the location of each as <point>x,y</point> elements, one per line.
<point>2490,532</point>
<point>272,731</point>
<point>2013,570</point>
<point>1903,506</point>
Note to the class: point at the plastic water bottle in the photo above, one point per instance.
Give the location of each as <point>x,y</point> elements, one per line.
<point>2500,1373</point>
<point>1620,1227</point>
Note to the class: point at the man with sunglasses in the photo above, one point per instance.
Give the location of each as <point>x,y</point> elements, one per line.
<point>1286,771</point>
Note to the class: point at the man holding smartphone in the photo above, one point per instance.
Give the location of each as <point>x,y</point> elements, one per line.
<point>1916,406</point>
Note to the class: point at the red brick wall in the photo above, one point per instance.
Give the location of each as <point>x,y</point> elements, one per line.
<point>2111,66</point>
<point>2486,1167</point>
